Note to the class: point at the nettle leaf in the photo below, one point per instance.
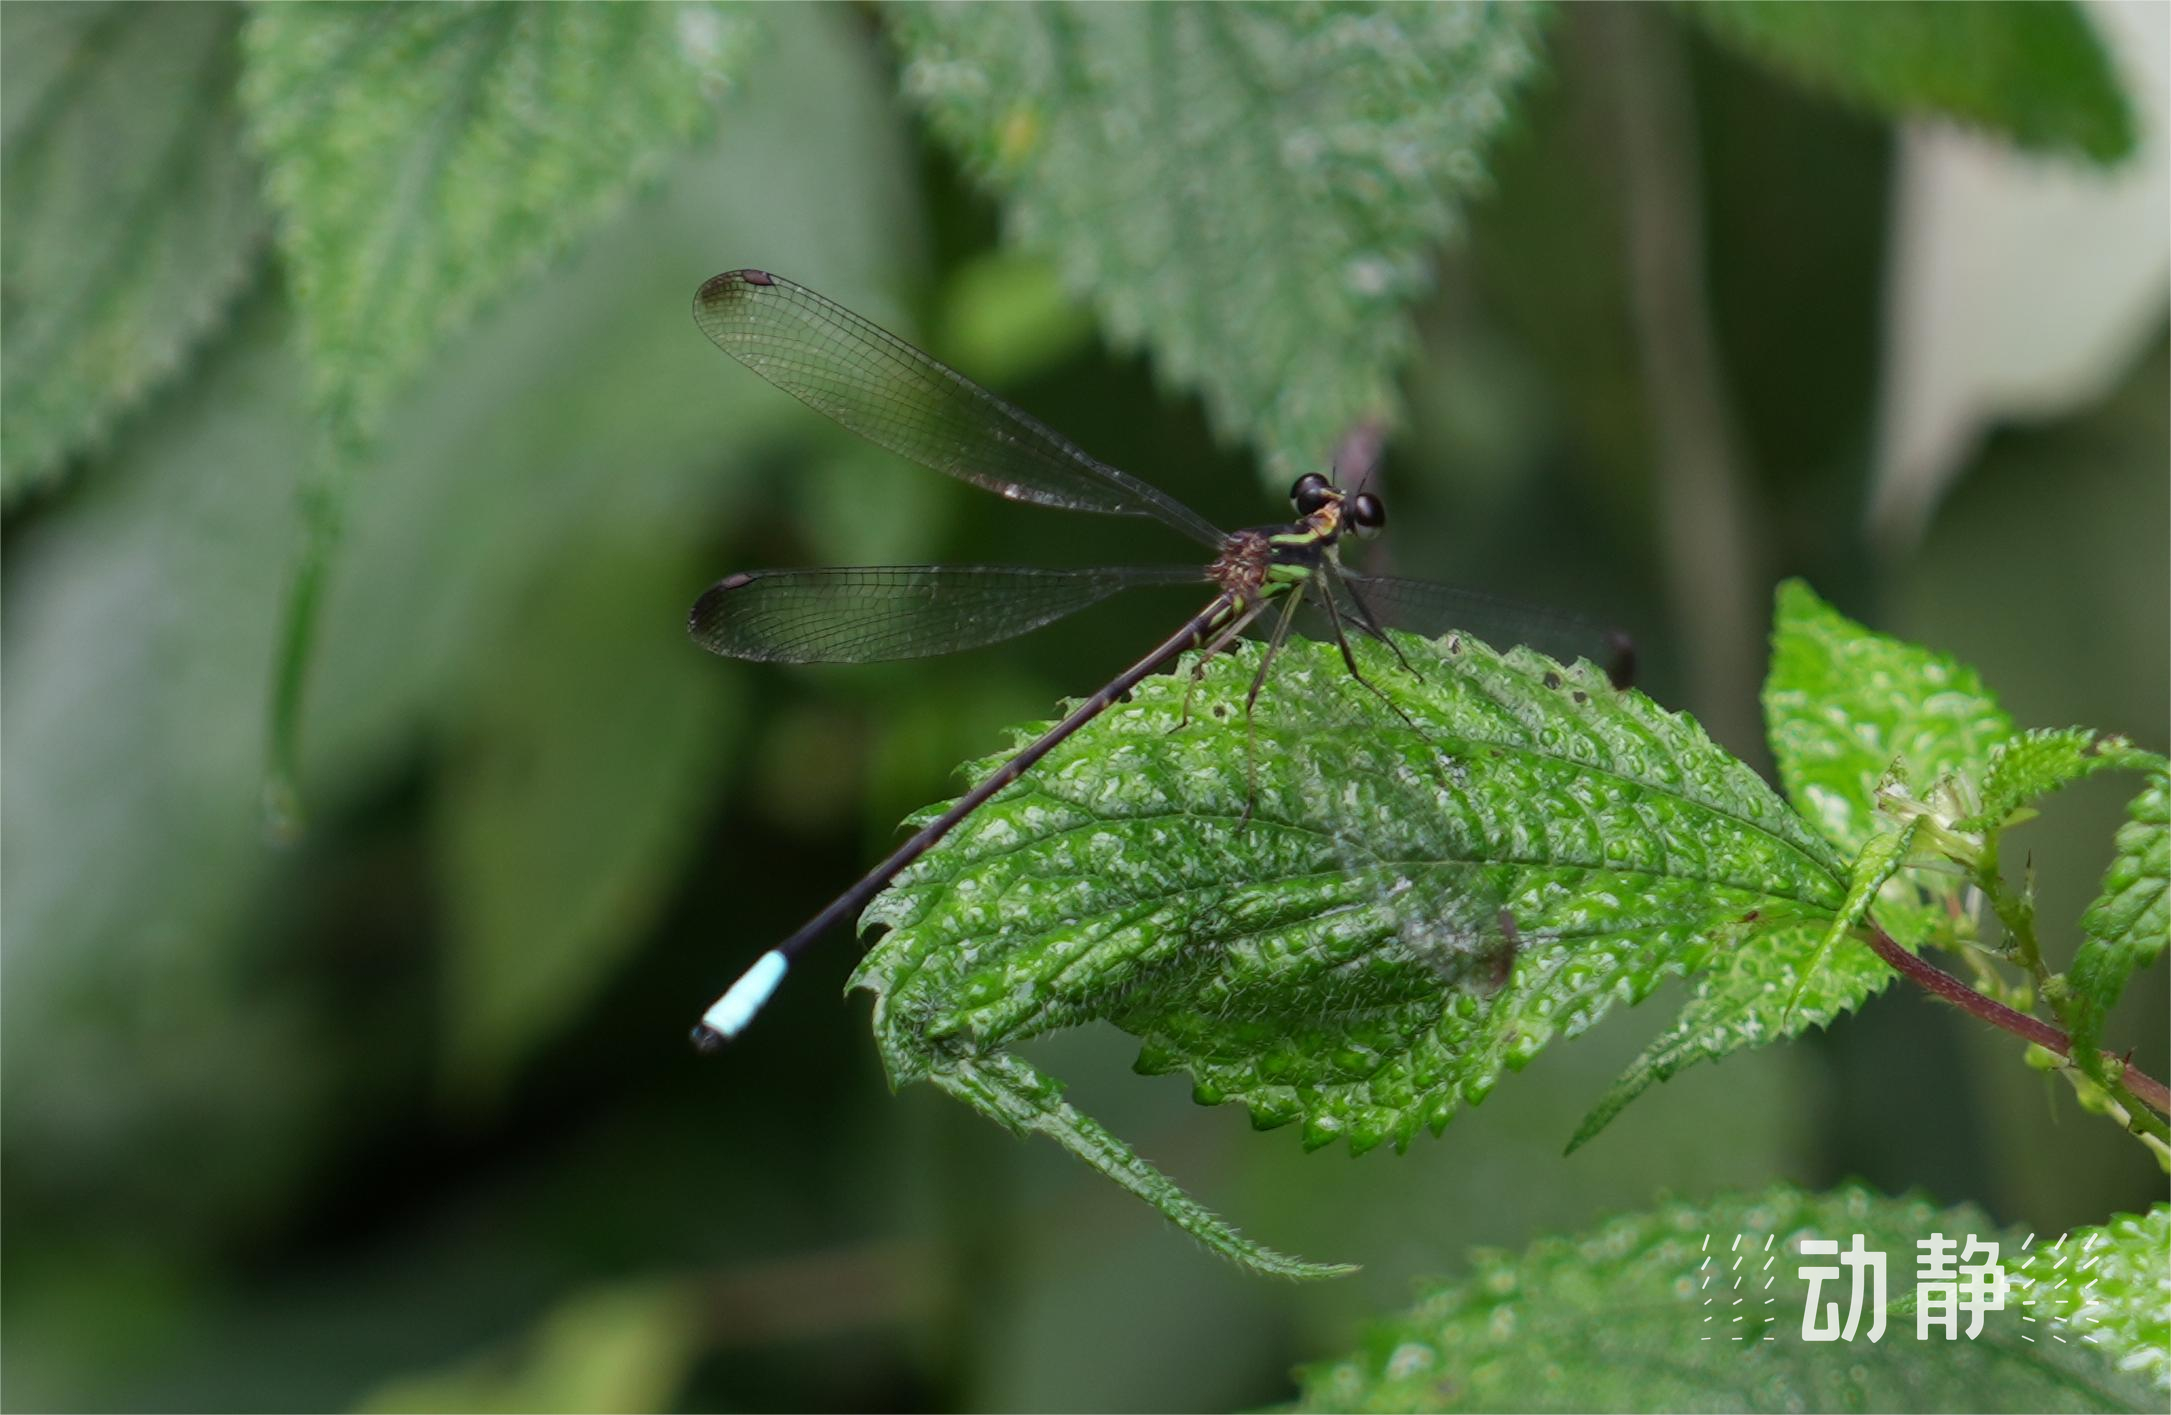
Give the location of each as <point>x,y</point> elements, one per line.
<point>2036,75</point>
<point>1762,986</point>
<point>1879,861</point>
<point>1845,705</point>
<point>1414,906</point>
<point>128,214</point>
<point>2127,926</point>
<point>1251,191</point>
<point>1617,1319</point>
<point>2111,1286</point>
<point>424,158</point>
<point>2038,762</point>
<point>1774,983</point>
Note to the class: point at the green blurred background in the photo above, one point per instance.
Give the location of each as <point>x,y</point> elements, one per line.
<point>403,1114</point>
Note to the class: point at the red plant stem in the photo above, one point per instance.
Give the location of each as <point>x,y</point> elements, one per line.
<point>1938,982</point>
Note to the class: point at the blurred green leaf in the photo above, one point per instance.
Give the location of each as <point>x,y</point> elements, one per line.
<point>422,160</point>
<point>128,213</point>
<point>584,751</point>
<point>1253,192</point>
<point>1613,1319</point>
<point>137,612</point>
<point>1006,317</point>
<point>1414,903</point>
<point>2108,1285</point>
<point>2036,75</point>
<point>629,1347</point>
<point>2040,761</point>
<point>2128,925</point>
<point>425,158</point>
<point>140,1024</point>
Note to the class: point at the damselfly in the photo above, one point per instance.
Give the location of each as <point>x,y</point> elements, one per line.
<point>908,402</point>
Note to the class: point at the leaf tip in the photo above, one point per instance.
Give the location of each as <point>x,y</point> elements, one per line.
<point>1631,1085</point>
<point>1794,592</point>
<point>1315,1271</point>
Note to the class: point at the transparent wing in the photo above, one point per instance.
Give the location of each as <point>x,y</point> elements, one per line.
<point>873,613</point>
<point>897,397</point>
<point>1423,607</point>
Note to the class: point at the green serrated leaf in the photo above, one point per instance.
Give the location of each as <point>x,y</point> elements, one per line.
<point>425,158</point>
<point>2040,761</point>
<point>2111,1287</point>
<point>1843,705</point>
<point>1337,958</point>
<point>574,779</point>
<point>2036,75</point>
<point>2129,923</point>
<point>1251,191</point>
<point>1778,984</point>
<point>1616,1319</point>
<point>128,214</point>
<point>1878,862</point>
<point>1775,984</point>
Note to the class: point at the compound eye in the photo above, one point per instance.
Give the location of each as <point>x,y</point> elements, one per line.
<point>1366,514</point>
<point>1311,492</point>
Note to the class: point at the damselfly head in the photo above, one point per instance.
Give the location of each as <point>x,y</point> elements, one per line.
<point>1362,511</point>
<point>1312,494</point>
<point>1367,515</point>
